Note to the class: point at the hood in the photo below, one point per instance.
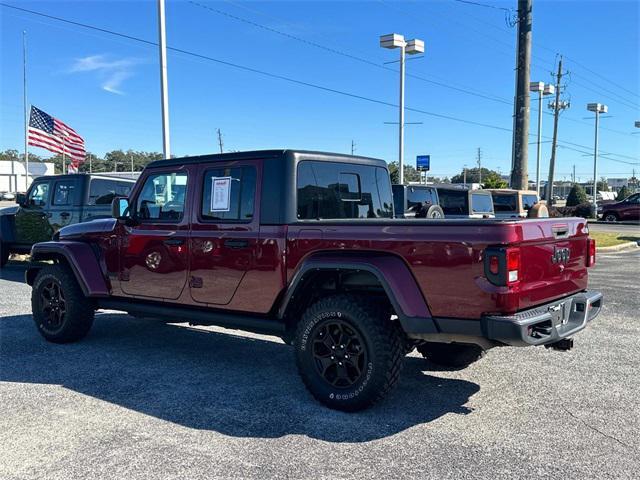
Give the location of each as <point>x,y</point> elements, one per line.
<point>12,210</point>
<point>100,225</point>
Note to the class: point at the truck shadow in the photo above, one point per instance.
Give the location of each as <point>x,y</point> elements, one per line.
<point>238,386</point>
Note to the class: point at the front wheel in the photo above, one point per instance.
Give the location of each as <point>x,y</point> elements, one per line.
<point>349,353</point>
<point>610,217</point>
<point>60,310</point>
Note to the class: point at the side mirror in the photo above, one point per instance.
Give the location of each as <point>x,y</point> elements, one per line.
<point>21,199</point>
<point>120,208</point>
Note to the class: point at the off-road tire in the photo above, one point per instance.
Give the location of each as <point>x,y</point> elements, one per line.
<point>77,310</point>
<point>451,355</point>
<point>4,254</point>
<point>380,354</point>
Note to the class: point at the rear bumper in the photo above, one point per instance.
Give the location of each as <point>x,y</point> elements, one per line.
<point>545,324</point>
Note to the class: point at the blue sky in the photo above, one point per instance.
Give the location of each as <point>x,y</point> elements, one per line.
<point>107,87</point>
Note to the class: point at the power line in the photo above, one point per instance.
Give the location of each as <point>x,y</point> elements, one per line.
<point>343,53</point>
<point>289,79</point>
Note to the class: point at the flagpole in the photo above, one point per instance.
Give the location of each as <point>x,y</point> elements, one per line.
<point>26,116</point>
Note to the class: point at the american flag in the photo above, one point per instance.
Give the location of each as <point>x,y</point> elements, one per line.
<point>50,133</point>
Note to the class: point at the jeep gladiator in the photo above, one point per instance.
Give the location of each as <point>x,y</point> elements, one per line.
<point>305,246</point>
<point>53,202</point>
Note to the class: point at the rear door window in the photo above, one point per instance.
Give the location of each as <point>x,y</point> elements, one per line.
<point>505,202</point>
<point>229,194</point>
<point>454,202</point>
<point>417,197</point>
<point>528,201</point>
<point>64,193</point>
<point>481,203</point>
<point>103,191</point>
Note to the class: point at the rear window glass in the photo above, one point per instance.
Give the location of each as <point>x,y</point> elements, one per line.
<point>529,201</point>
<point>505,202</point>
<point>419,197</point>
<point>481,203</point>
<point>333,190</point>
<point>103,191</point>
<point>454,202</point>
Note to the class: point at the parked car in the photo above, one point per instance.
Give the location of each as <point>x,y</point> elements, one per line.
<point>53,202</point>
<point>508,203</point>
<point>458,201</point>
<point>8,196</point>
<point>627,209</point>
<point>416,201</point>
<point>303,245</point>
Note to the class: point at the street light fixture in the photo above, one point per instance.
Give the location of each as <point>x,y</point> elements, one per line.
<point>597,108</point>
<point>411,47</point>
<point>542,90</point>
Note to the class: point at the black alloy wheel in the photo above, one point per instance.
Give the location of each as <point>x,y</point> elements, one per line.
<point>53,306</point>
<point>339,353</point>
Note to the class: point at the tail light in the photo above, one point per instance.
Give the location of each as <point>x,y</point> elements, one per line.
<point>502,265</point>
<point>591,252</point>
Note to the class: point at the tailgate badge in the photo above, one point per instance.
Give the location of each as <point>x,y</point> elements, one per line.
<point>560,255</point>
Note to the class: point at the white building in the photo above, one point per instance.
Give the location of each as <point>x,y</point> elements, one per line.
<point>13,178</point>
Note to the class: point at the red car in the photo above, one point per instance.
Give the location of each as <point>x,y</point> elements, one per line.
<point>304,245</point>
<point>627,209</point>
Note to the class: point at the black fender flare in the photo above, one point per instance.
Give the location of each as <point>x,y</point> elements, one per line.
<point>392,273</point>
<point>81,259</point>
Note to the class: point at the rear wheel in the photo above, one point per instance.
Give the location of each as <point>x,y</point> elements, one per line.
<point>60,310</point>
<point>349,353</point>
<point>610,217</point>
<point>452,355</point>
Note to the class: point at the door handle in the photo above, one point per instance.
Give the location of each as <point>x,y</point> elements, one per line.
<point>236,243</point>
<point>174,242</point>
<point>65,214</point>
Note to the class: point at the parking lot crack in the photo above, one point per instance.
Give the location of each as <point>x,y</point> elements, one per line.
<point>595,429</point>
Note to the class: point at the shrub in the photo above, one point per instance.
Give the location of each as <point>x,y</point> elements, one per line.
<point>623,193</point>
<point>577,196</point>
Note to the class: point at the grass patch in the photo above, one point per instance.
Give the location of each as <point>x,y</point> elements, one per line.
<point>607,239</point>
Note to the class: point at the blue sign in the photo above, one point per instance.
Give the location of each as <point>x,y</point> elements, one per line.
<point>423,162</point>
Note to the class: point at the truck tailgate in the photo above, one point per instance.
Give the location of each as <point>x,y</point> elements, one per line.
<point>553,260</point>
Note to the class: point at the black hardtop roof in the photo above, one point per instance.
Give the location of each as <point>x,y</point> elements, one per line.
<point>284,154</point>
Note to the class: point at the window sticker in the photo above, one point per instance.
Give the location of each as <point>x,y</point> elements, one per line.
<point>220,194</point>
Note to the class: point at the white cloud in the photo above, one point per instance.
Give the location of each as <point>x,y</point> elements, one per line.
<point>111,72</point>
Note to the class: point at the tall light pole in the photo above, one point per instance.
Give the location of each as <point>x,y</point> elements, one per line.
<point>412,47</point>
<point>26,115</point>
<point>164,95</point>
<point>542,90</point>
<point>597,108</point>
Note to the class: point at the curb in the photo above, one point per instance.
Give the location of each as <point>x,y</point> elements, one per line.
<point>617,248</point>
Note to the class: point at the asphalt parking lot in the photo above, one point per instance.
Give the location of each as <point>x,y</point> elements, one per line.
<point>142,399</point>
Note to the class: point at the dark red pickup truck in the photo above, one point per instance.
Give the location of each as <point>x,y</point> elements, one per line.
<point>304,245</point>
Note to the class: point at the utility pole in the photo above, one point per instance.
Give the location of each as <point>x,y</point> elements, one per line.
<point>557,106</point>
<point>519,174</point>
<point>220,140</point>
<point>353,147</point>
<point>131,160</point>
<point>573,177</point>
<point>464,175</point>
<point>164,94</point>
<point>480,166</point>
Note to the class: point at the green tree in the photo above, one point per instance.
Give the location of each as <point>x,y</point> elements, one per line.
<point>410,173</point>
<point>576,196</point>
<point>602,185</point>
<point>490,178</point>
<point>9,154</point>
<point>623,193</point>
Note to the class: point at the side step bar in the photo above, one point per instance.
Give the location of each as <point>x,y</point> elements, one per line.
<point>196,316</point>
